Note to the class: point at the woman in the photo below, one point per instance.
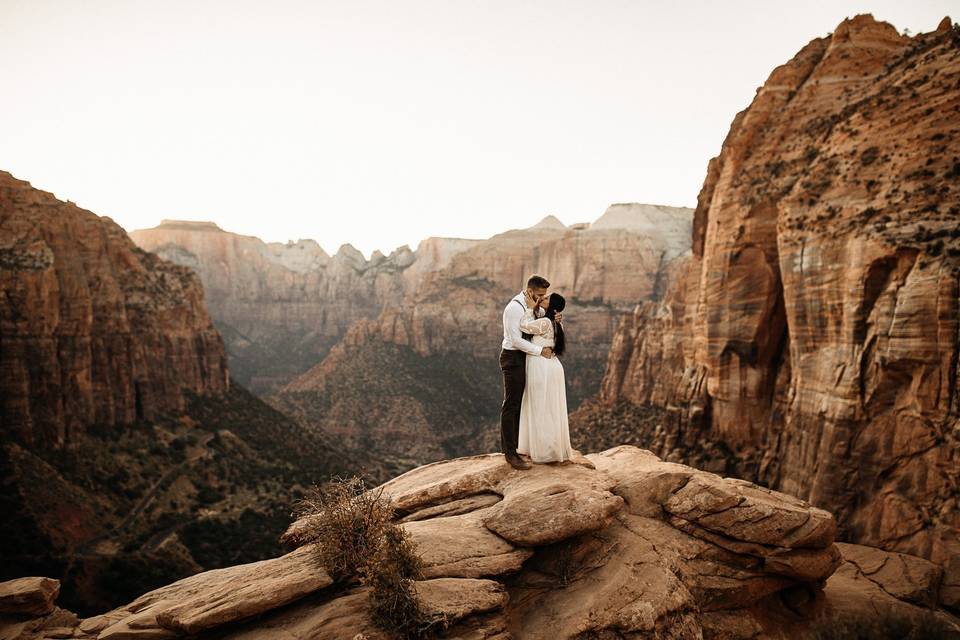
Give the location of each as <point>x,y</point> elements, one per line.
<point>544,430</point>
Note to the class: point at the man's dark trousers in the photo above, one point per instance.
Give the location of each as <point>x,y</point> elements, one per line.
<point>513,365</point>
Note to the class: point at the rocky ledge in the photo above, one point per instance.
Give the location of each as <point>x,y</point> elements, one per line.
<point>618,544</point>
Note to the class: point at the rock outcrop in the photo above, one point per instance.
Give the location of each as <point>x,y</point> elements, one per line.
<point>387,385</point>
<point>810,343</point>
<point>30,596</point>
<point>93,330</point>
<point>126,458</point>
<point>282,306</point>
<point>616,544</point>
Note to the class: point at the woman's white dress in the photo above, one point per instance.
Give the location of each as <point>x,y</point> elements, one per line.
<point>544,430</point>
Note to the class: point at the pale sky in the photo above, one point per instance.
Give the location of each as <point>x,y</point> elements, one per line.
<point>382,123</point>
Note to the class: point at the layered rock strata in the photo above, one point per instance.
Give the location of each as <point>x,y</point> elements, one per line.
<point>619,543</point>
<point>93,330</point>
<point>282,306</point>
<point>421,381</point>
<point>126,457</point>
<point>810,343</point>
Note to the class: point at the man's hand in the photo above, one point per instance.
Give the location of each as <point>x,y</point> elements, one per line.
<point>547,352</point>
<point>558,317</point>
<point>529,299</point>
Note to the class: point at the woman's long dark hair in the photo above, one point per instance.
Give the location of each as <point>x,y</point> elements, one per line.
<point>556,304</point>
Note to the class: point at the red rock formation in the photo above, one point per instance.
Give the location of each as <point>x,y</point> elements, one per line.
<point>814,332</point>
<point>280,306</point>
<point>421,381</point>
<point>602,269</point>
<point>93,330</point>
<point>614,544</point>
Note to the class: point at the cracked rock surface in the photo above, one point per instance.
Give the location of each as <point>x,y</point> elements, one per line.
<point>811,342</point>
<point>631,547</point>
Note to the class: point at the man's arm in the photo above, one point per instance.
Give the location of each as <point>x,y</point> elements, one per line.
<point>511,321</point>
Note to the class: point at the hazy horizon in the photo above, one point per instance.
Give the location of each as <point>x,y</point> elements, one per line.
<point>379,124</point>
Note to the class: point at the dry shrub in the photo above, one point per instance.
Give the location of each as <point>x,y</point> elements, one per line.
<point>393,599</point>
<point>887,624</point>
<point>344,520</point>
<point>355,536</point>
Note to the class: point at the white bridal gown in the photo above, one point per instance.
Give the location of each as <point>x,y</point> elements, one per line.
<point>544,430</point>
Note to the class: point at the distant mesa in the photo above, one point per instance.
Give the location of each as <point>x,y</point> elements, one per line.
<point>192,225</point>
<point>641,217</point>
<point>663,223</point>
<point>283,305</point>
<point>550,222</point>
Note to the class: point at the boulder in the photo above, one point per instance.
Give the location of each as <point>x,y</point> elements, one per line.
<point>636,547</point>
<point>457,598</point>
<point>347,616</point>
<point>545,507</point>
<point>214,598</point>
<point>461,546</point>
<point>903,576</point>
<point>34,596</point>
<point>341,618</point>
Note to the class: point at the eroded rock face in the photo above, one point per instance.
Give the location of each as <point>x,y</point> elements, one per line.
<point>601,269</point>
<point>213,598</point>
<point>812,338</point>
<point>647,567</point>
<point>33,596</point>
<point>290,303</point>
<point>282,306</point>
<point>387,384</point>
<point>94,329</point>
<point>641,547</point>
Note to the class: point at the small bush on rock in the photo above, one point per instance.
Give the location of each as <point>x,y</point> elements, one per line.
<point>345,521</point>
<point>354,535</point>
<point>393,599</point>
<point>887,625</point>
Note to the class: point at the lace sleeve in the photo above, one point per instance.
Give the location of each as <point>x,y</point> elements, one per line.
<point>533,326</point>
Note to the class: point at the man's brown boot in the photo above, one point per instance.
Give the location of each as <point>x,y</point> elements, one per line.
<point>515,461</point>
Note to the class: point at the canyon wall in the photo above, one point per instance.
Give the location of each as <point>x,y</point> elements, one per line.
<point>127,459</point>
<point>282,306</point>
<point>616,544</point>
<point>601,269</point>
<point>93,330</point>
<point>422,380</point>
<point>398,354</point>
<point>810,343</point>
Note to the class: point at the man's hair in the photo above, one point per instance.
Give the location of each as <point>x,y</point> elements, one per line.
<point>538,282</point>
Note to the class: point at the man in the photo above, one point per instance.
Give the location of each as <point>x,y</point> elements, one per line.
<point>513,364</point>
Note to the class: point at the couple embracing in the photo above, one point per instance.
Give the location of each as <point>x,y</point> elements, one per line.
<point>533,418</point>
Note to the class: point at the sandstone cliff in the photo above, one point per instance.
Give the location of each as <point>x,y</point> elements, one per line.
<point>93,330</point>
<point>810,343</point>
<point>126,458</point>
<point>618,544</point>
<point>421,381</point>
<point>282,306</point>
